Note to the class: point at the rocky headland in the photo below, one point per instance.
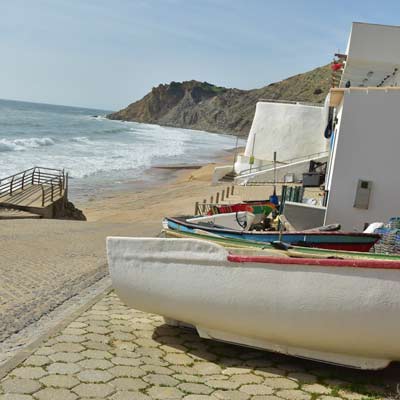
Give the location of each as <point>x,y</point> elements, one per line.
<point>204,106</point>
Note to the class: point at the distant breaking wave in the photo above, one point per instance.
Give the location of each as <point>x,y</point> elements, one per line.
<point>24,144</point>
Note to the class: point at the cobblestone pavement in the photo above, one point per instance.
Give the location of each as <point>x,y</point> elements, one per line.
<point>117,353</point>
<point>45,262</point>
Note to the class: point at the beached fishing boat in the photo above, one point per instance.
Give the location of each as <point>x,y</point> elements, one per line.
<point>280,248</point>
<point>338,311</point>
<point>350,241</point>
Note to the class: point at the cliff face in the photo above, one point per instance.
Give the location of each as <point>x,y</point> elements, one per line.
<point>200,105</point>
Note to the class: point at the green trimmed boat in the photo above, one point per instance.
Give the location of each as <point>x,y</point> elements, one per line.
<point>292,251</point>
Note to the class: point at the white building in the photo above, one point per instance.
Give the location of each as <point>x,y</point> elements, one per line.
<point>363,180</point>
<point>292,130</point>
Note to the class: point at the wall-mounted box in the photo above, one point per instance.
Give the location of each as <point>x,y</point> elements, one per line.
<point>363,192</point>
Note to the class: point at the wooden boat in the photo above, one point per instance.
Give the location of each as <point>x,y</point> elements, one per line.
<point>350,241</point>
<point>241,220</point>
<point>337,311</point>
<point>293,251</point>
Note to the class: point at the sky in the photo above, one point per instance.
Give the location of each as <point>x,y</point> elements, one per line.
<point>108,53</point>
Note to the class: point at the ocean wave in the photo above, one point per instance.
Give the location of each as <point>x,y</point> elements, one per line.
<point>81,139</point>
<point>24,144</point>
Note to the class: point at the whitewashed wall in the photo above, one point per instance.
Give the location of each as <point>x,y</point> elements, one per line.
<point>292,130</point>
<point>373,52</point>
<point>367,147</point>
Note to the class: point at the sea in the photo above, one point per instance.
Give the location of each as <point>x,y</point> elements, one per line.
<point>99,154</point>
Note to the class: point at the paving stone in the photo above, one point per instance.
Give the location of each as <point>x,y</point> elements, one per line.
<point>29,372</point>
<point>206,368</point>
<point>94,376</point>
<point>74,331</point>
<point>63,368</point>
<point>316,388</point>
<point>70,338</point>
<point>265,397</point>
<point>302,377</point>
<point>222,384</point>
<point>243,379</point>
<point>15,396</point>
<point>67,357</point>
<point>329,398</point>
<point>76,325</point>
<point>97,329</point>
<point>98,354</point>
<point>95,337</point>
<point>121,371</point>
<point>231,395</point>
<point>44,351</point>
<point>102,390</point>
<point>118,344</point>
<point>256,389</point>
<point>336,382</point>
<point>97,346</point>
<point>165,393</point>
<point>350,395</point>
<point>177,348</point>
<point>182,369</point>
<point>157,353</point>
<point>179,359</point>
<point>37,361</point>
<point>188,378</point>
<point>195,388</point>
<point>236,370</point>
<point>124,395</point>
<point>291,367</point>
<point>145,342</point>
<point>68,347</point>
<point>95,364</point>
<point>154,361</point>
<point>281,383</point>
<point>125,361</point>
<point>55,394</point>
<point>129,384</point>
<point>270,372</point>
<point>293,395</point>
<point>160,380</point>
<point>59,381</point>
<point>18,385</point>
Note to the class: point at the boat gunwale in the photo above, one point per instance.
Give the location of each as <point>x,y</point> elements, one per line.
<point>318,262</point>
<point>182,221</point>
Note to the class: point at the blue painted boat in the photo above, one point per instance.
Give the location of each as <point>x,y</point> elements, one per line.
<point>350,241</point>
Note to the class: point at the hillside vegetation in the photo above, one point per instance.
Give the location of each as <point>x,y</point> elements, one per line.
<point>203,106</point>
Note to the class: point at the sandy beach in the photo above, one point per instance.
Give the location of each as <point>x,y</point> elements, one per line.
<point>183,186</point>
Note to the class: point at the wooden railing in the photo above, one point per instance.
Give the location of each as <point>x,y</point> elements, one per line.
<point>52,182</point>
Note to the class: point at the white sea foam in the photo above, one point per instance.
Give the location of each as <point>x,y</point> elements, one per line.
<point>96,149</point>
<point>24,144</point>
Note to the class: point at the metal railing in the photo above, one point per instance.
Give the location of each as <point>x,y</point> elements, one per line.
<point>280,163</point>
<point>53,182</point>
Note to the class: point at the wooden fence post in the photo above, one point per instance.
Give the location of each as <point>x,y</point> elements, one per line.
<point>196,208</point>
<point>217,198</point>
<point>204,205</point>
<point>223,195</point>
<point>232,189</point>
<point>211,199</point>
<point>227,192</point>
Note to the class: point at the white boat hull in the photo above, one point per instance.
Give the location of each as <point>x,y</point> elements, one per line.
<point>241,220</point>
<point>348,316</point>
